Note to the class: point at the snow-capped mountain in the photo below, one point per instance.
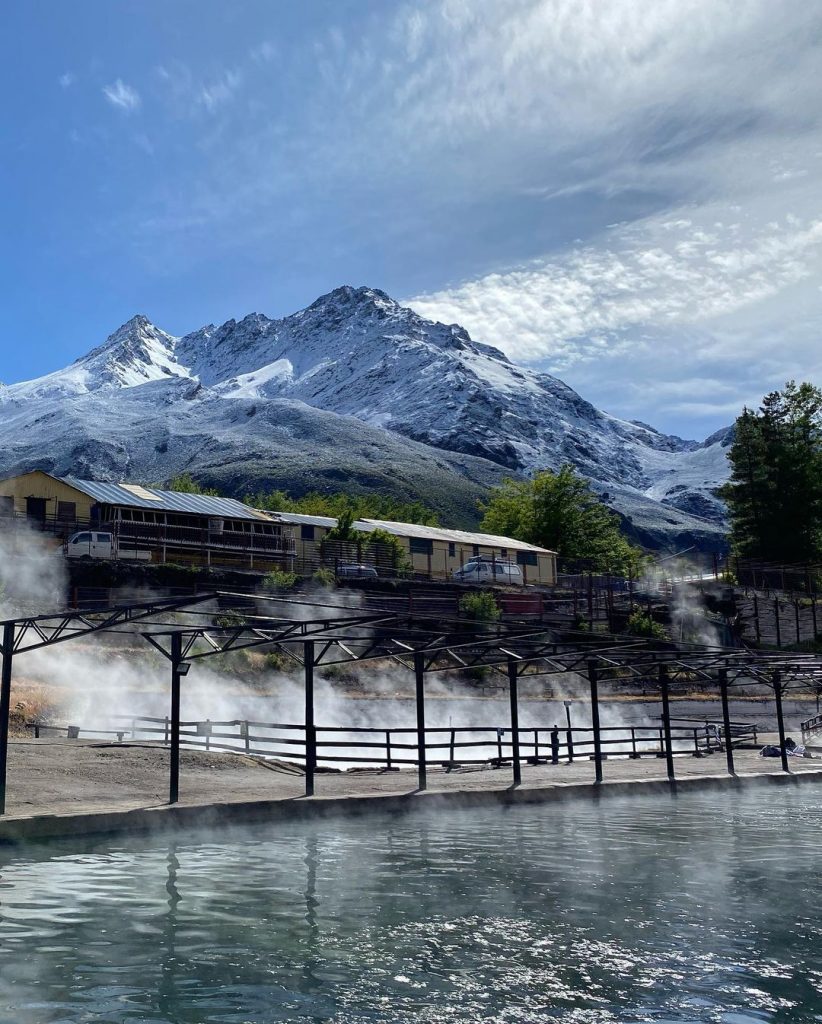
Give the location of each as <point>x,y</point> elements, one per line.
<point>354,389</point>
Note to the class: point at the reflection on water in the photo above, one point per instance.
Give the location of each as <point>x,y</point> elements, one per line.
<point>648,910</point>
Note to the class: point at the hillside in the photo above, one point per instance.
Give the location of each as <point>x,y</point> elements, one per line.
<point>353,392</point>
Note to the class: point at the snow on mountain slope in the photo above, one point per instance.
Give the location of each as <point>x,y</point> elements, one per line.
<point>374,370</point>
<point>137,352</point>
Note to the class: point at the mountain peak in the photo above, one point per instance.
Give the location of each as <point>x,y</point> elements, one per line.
<point>135,353</point>
<point>358,355</point>
<point>349,297</point>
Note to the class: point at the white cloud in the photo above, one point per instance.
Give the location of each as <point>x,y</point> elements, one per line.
<point>675,319</point>
<point>679,140</point>
<point>66,80</point>
<point>187,95</point>
<point>653,275</point>
<point>219,91</point>
<point>122,96</point>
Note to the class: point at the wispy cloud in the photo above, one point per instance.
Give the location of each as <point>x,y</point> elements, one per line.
<point>187,94</point>
<point>635,281</point>
<point>66,80</point>
<point>679,318</point>
<point>122,96</point>
<point>215,93</point>
<point>624,190</point>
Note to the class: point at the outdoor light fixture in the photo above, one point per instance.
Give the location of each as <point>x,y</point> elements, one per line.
<point>183,667</point>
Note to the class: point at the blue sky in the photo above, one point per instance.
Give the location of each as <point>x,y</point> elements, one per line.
<point>626,194</point>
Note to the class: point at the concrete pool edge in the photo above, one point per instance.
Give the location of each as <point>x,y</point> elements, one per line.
<point>165,817</point>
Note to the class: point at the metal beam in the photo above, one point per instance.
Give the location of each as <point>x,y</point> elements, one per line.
<point>5,707</point>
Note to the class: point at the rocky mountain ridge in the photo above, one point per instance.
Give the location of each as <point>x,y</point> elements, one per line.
<point>375,391</point>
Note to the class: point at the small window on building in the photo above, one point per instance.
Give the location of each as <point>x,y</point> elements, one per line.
<point>527,558</point>
<point>420,546</point>
<point>475,550</point>
<point>503,552</point>
<point>6,505</point>
<point>452,550</point>
<point>306,532</point>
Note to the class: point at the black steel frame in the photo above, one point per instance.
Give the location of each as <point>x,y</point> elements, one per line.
<point>514,650</point>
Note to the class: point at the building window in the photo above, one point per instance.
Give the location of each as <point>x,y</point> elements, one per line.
<point>452,550</point>
<point>306,533</point>
<point>503,552</point>
<point>475,550</point>
<point>527,558</point>
<point>66,511</point>
<point>6,505</point>
<point>420,546</point>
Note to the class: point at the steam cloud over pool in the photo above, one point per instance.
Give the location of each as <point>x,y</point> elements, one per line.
<point>696,909</point>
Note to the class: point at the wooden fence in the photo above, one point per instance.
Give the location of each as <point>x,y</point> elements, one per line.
<point>395,747</point>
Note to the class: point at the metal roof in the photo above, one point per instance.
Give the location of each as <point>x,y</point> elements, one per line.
<point>298,519</point>
<point>414,530</point>
<point>452,536</point>
<point>135,496</point>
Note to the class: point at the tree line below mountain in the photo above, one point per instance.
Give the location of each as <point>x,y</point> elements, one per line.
<point>774,497</point>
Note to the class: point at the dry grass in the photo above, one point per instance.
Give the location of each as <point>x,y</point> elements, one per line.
<point>32,701</point>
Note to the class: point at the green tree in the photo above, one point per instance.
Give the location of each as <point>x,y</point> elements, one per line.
<point>560,511</point>
<point>338,503</point>
<point>774,494</point>
<point>185,483</point>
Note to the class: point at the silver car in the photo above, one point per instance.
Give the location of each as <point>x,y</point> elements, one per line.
<point>487,571</point>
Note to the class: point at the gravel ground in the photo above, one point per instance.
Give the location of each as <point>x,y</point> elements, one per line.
<point>49,776</point>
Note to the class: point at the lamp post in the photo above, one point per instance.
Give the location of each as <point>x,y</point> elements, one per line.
<point>569,733</point>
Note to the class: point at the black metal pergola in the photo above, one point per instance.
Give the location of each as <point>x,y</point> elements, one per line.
<point>315,636</point>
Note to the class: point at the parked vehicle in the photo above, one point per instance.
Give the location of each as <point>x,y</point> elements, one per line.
<point>350,570</point>
<point>483,570</point>
<point>101,544</point>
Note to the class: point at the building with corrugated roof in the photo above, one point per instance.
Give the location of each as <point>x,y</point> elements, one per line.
<point>173,526</point>
<point>432,551</point>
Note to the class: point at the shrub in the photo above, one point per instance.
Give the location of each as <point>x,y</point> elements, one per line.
<point>324,577</point>
<point>279,579</point>
<point>229,620</point>
<point>641,624</point>
<point>480,607</point>
<point>276,661</point>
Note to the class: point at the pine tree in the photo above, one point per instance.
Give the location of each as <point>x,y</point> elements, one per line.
<point>775,491</point>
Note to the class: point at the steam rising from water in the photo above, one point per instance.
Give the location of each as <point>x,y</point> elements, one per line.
<point>33,576</point>
<point>102,677</point>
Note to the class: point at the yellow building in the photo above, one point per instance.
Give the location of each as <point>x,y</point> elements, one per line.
<point>180,527</point>
<point>166,526</point>
<point>432,551</point>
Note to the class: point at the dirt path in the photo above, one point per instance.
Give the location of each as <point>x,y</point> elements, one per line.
<point>70,777</point>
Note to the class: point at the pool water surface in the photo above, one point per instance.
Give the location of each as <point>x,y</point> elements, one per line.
<point>697,908</point>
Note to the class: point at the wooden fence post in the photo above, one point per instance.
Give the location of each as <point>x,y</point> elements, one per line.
<point>594,683</point>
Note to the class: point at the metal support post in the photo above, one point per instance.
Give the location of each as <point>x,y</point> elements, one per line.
<point>5,708</point>
<point>512,692</point>
<point>666,722</point>
<point>419,680</point>
<point>310,727</point>
<point>726,720</point>
<point>174,760</point>
<point>593,680</point>
<point>780,720</point>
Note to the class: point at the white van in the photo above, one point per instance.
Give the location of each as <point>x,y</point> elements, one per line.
<point>100,544</point>
<point>486,571</point>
